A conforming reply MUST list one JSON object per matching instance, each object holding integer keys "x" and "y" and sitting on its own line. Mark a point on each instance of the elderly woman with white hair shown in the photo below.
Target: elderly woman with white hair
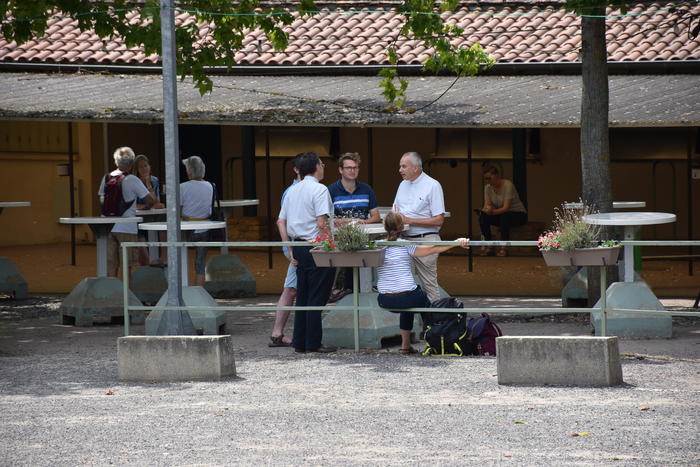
{"x": 196, "y": 199}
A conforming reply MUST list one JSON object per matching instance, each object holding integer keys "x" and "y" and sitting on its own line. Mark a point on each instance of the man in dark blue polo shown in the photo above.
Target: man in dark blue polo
{"x": 304, "y": 216}
{"x": 352, "y": 201}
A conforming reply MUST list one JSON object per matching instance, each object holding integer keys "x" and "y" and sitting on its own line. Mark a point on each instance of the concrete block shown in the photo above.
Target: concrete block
{"x": 11, "y": 280}
{"x": 227, "y": 277}
{"x": 576, "y": 290}
{"x": 149, "y": 283}
{"x": 375, "y": 325}
{"x": 559, "y": 361}
{"x": 175, "y": 358}
{"x": 633, "y": 296}
{"x": 98, "y": 299}
{"x": 210, "y": 322}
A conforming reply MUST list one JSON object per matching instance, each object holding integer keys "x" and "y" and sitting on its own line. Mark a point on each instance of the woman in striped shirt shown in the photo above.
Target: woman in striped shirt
{"x": 395, "y": 283}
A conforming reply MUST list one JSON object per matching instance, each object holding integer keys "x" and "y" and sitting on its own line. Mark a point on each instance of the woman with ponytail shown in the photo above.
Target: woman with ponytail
{"x": 397, "y": 287}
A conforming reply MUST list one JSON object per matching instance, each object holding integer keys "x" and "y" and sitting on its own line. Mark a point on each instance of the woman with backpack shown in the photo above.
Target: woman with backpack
{"x": 395, "y": 283}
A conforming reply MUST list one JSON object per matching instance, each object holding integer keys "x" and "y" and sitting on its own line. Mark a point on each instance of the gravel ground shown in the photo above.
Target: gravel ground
{"x": 62, "y": 404}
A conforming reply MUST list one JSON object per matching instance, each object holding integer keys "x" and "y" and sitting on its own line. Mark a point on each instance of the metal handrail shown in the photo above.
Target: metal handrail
{"x": 356, "y": 308}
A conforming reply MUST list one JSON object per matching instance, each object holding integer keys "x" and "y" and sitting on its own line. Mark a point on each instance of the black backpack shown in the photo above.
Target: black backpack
{"x": 114, "y": 204}
{"x": 453, "y": 335}
{"x": 446, "y": 333}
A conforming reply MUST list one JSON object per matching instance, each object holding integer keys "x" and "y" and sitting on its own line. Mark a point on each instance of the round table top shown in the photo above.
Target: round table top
{"x": 630, "y": 218}
{"x": 99, "y": 220}
{"x": 14, "y": 204}
{"x": 184, "y": 225}
{"x": 384, "y": 210}
{"x": 234, "y": 203}
{"x": 378, "y": 228}
{"x": 616, "y": 205}
{"x": 151, "y": 212}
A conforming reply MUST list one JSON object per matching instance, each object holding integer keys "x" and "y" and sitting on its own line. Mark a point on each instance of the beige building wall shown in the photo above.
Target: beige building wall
{"x": 34, "y": 158}
{"x": 648, "y": 165}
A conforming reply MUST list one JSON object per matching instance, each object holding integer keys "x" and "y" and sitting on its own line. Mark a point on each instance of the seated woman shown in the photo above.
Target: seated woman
{"x": 395, "y": 283}
{"x": 142, "y": 169}
{"x": 502, "y": 208}
{"x": 197, "y": 199}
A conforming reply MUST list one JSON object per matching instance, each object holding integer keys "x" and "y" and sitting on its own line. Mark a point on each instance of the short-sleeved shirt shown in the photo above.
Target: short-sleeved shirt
{"x": 303, "y": 203}
{"x": 196, "y": 197}
{"x": 132, "y": 188}
{"x": 508, "y": 191}
{"x": 357, "y": 204}
{"x": 156, "y": 191}
{"x": 284, "y": 194}
{"x": 420, "y": 198}
{"x": 395, "y": 275}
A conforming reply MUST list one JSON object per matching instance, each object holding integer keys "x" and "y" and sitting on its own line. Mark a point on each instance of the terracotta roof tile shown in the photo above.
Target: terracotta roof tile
{"x": 532, "y": 31}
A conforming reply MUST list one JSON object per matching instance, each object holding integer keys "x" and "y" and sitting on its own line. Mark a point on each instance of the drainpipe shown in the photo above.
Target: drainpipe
{"x": 71, "y": 194}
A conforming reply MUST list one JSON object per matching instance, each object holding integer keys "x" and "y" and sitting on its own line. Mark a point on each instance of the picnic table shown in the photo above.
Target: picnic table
{"x": 631, "y": 293}
{"x": 98, "y": 298}
{"x": 339, "y": 325}
{"x": 101, "y": 227}
{"x": 186, "y": 226}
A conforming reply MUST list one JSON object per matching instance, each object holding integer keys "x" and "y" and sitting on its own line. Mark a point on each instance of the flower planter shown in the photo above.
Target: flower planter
{"x": 602, "y": 256}
{"x": 336, "y": 258}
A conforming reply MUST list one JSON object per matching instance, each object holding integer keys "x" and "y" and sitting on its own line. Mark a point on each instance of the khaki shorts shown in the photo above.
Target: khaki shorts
{"x": 114, "y": 253}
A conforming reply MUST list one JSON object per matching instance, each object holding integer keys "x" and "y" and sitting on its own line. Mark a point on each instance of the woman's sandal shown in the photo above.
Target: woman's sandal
{"x": 278, "y": 341}
{"x": 488, "y": 252}
{"x": 408, "y": 351}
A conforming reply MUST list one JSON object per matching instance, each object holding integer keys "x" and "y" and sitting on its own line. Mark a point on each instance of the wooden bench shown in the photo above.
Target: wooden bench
{"x": 528, "y": 231}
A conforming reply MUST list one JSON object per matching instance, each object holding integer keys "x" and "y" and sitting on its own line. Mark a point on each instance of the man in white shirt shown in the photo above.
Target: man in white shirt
{"x": 304, "y": 216}
{"x": 131, "y": 189}
{"x": 420, "y": 200}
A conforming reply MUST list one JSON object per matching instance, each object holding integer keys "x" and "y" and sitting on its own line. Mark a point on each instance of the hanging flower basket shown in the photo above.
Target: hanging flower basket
{"x": 600, "y": 256}
{"x": 336, "y": 258}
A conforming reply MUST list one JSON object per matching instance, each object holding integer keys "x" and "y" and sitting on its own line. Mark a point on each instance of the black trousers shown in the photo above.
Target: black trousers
{"x": 413, "y": 299}
{"x": 313, "y": 288}
{"x": 503, "y": 221}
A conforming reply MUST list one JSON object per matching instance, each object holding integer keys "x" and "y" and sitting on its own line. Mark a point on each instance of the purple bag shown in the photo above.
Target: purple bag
{"x": 482, "y": 333}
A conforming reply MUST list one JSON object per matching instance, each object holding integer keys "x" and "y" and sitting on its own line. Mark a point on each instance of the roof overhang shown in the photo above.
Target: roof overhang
{"x": 531, "y": 101}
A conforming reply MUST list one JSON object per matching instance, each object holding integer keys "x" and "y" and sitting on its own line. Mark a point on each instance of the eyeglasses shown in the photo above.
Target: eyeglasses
{"x": 351, "y": 167}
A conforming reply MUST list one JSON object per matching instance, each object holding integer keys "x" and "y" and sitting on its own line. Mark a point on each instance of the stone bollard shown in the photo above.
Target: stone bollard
{"x": 175, "y": 358}
{"x": 559, "y": 361}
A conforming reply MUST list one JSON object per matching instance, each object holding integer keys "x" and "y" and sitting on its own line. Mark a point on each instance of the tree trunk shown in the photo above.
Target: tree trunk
{"x": 596, "y": 186}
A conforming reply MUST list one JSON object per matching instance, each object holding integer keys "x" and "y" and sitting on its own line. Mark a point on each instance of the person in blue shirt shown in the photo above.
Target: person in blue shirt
{"x": 352, "y": 201}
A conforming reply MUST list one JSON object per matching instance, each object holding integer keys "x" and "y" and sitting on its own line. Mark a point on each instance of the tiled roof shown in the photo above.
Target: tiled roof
{"x": 525, "y": 32}
{"x": 522, "y": 101}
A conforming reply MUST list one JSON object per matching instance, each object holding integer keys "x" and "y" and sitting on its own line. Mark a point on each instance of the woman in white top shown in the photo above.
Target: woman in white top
{"x": 502, "y": 208}
{"x": 197, "y": 199}
{"x": 395, "y": 283}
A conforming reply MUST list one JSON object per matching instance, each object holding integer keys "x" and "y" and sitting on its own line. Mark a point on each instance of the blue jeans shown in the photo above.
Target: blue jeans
{"x": 416, "y": 298}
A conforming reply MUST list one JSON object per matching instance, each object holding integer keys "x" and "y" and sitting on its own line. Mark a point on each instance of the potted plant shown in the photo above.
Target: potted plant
{"x": 349, "y": 246}
{"x": 573, "y": 242}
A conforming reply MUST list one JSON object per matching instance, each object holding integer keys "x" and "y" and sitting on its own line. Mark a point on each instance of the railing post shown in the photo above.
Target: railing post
{"x": 603, "y": 301}
{"x": 355, "y": 304}
{"x": 125, "y": 290}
